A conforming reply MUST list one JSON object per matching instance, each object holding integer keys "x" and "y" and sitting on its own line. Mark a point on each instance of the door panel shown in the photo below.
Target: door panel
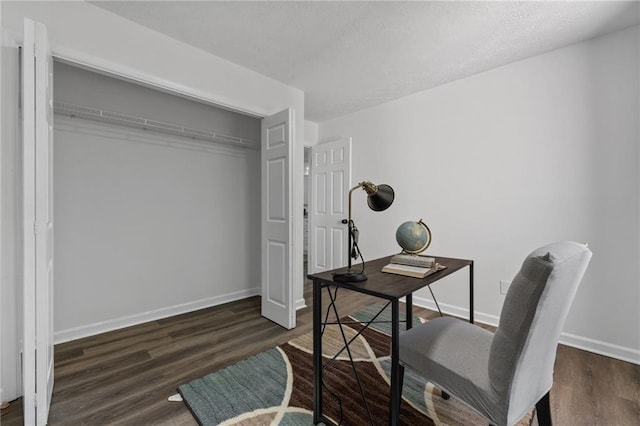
{"x": 330, "y": 180}
{"x": 37, "y": 71}
{"x": 277, "y": 225}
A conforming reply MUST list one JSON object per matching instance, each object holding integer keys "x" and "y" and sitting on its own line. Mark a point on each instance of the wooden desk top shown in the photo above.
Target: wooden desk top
{"x": 389, "y": 286}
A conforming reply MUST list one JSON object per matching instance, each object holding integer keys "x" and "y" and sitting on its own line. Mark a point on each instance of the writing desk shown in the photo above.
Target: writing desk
{"x": 386, "y": 286}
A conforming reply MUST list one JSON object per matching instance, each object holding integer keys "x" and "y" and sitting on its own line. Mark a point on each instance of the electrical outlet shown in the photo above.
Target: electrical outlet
{"x": 504, "y": 286}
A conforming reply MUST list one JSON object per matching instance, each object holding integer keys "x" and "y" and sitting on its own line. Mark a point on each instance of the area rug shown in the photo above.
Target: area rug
{"x": 276, "y": 386}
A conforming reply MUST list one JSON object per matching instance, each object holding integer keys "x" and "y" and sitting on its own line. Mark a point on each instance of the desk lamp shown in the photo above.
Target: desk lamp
{"x": 379, "y": 198}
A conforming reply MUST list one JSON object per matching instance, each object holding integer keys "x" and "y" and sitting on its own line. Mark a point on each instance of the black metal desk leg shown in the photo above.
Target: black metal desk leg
{"x": 317, "y": 353}
{"x": 396, "y": 392}
{"x": 408, "y": 300}
{"x": 471, "y": 292}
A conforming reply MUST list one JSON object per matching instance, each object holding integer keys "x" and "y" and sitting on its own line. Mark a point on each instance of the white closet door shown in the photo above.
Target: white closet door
{"x": 37, "y": 68}
{"x": 278, "y": 303}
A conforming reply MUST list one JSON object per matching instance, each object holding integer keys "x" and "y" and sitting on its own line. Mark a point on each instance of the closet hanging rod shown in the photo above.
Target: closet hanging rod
{"x": 103, "y": 116}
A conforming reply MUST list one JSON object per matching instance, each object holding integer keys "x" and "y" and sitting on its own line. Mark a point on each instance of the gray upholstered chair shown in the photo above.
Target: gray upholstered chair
{"x": 502, "y": 375}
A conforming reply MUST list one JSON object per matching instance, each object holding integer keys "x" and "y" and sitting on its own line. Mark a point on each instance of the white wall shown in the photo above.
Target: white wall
{"x": 310, "y": 132}
{"x": 502, "y": 162}
{"x": 2, "y": 320}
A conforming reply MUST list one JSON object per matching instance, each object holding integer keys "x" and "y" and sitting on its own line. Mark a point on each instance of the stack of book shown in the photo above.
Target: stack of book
{"x": 412, "y": 265}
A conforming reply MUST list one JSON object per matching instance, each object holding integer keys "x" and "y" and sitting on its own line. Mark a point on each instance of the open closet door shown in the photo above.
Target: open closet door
{"x": 278, "y": 303}
{"x": 330, "y": 184}
{"x": 37, "y": 95}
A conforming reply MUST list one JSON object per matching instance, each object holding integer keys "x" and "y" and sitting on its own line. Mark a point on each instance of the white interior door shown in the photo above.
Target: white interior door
{"x": 330, "y": 184}
{"x": 37, "y": 68}
{"x": 278, "y": 303}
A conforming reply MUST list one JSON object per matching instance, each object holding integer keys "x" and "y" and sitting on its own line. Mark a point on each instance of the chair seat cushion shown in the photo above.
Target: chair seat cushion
{"x": 452, "y": 352}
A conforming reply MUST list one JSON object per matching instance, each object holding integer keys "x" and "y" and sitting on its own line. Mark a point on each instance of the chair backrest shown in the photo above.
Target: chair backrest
{"x": 523, "y": 350}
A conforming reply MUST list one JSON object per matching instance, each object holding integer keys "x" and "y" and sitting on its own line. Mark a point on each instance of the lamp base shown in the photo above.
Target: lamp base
{"x": 350, "y": 277}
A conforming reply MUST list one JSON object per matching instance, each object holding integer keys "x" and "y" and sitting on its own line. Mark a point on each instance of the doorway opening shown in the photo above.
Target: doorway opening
{"x": 307, "y": 191}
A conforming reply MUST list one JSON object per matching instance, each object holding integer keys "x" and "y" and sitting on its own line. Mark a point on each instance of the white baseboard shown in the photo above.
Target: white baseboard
{"x": 602, "y": 348}
{"x": 300, "y": 304}
{"x": 142, "y": 317}
{"x": 611, "y": 350}
{"x": 456, "y": 311}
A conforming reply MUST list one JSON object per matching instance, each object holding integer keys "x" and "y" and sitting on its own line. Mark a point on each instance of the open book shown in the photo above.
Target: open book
{"x": 410, "y": 270}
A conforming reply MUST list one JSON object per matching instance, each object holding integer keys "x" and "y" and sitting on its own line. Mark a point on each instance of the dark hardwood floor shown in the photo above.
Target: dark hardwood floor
{"x": 125, "y": 377}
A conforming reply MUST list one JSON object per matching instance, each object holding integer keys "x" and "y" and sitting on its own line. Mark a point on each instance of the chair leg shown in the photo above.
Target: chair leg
{"x": 543, "y": 411}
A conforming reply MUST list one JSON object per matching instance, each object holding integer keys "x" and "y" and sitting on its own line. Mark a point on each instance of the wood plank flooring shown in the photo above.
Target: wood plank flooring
{"x": 125, "y": 377}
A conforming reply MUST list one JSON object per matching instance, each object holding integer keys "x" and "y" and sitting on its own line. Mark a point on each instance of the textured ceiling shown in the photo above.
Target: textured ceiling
{"x": 347, "y": 56}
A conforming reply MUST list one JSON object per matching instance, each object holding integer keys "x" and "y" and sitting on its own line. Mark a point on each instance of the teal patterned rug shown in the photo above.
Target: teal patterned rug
{"x": 276, "y": 386}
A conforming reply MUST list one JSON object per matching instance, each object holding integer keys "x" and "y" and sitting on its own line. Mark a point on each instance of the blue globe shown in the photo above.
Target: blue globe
{"x": 413, "y": 237}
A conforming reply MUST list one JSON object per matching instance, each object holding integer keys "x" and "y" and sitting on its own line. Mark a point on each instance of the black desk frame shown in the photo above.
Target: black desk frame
{"x": 389, "y": 287}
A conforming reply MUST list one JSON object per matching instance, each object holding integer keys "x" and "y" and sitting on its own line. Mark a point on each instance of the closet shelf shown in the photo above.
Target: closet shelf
{"x": 71, "y": 110}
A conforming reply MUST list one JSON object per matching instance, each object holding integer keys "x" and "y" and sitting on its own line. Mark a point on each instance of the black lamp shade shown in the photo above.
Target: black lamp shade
{"x": 381, "y": 199}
